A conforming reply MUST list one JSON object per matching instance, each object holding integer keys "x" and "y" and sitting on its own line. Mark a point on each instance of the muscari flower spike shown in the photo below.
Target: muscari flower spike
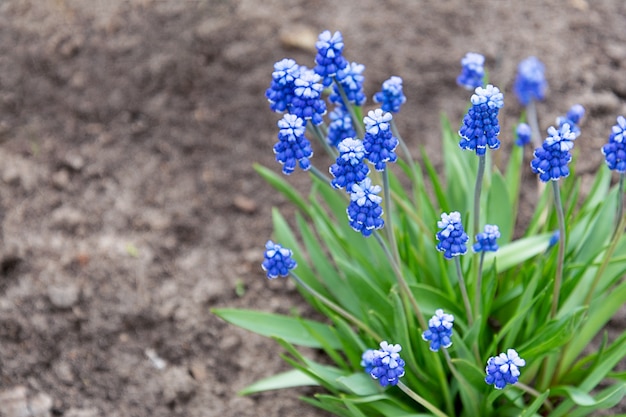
{"x": 307, "y": 101}
{"x": 552, "y": 157}
{"x": 277, "y": 260}
{"x": 487, "y": 240}
{"x": 340, "y": 126}
{"x": 504, "y": 369}
{"x": 349, "y": 168}
{"x": 472, "y": 71}
{"x": 364, "y": 211}
{"x": 351, "y": 79}
{"x": 391, "y": 97}
{"x": 280, "y": 92}
{"x": 451, "y": 236}
{"x": 439, "y": 330}
{"x": 572, "y": 118}
{"x": 615, "y": 151}
{"x": 480, "y": 127}
{"x": 292, "y": 145}
{"x": 329, "y": 58}
{"x": 523, "y": 134}
{"x": 386, "y": 364}
{"x": 379, "y": 142}
{"x": 530, "y": 83}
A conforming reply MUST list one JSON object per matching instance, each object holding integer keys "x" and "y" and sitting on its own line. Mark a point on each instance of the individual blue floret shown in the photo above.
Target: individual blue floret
{"x": 329, "y": 58}
{"x": 277, "y": 260}
{"x": 439, "y": 331}
{"x": 552, "y": 157}
{"x": 379, "y": 142}
{"x": 350, "y": 167}
{"x": 340, "y": 126}
{"x": 364, "y": 210}
{"x": 530, "y": 83}
{"x": 351, "y": 79}
{"x": 480, "y": 127}
{"x": 280, "y": 92}
{"x": 388, "y": 366}
{"x": 523, "y": 133}
{"x": 472, "y": 71}
{"x": 487, "y": 240}
{"x": 572, "y": 118}
{"x": 367, "y": 360}
{"x": 451, "y": 236}
{"x": 292, "y": 145}
{"x": 615, "y": 151}
{"x": 307, "y": 101}
{"x": 391, "y": 97}
{"x": 504, "y": 369}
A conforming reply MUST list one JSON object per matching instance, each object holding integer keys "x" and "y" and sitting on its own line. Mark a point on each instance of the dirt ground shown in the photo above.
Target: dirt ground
{"x": 128, "y": 202}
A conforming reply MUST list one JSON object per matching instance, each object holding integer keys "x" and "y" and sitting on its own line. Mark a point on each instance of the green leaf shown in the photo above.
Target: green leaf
{"x": 283, "y": 186}
{"x": 289, "y": 379}
{"x": 359, "y": 384}
{"x": 535, "y": 405}
{"x": 499, "y": 209}
{"x": 606, "y": 399}
{"x": 294, "y": 330}
{"x": 577, "y": 395}
{"x": 517, "y": 252}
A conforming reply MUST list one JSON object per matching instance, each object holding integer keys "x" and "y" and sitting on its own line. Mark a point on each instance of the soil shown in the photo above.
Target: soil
{"x": 128, "y": 202}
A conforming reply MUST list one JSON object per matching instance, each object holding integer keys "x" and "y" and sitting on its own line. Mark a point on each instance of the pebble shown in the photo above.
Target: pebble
{"x": 63, "y": 295}
{"x": 244, "y": 204}
{"x": 299, "y": 37}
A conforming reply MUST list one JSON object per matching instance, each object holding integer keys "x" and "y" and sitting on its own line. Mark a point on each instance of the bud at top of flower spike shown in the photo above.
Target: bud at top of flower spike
{"x": 451, "y": 236}
{"x": 472, "y": 71}
{"x": 552, "y": 157}
{"x": 280, "y": 93}
{"x": 530, "y": 83}
{"x": 340, "y": 126}
{"x": 575, "y": 113}
{"x": 391, "y": 97}
{"x": 386, "y": 364}
{"x": 523, "y": 133}
{"x": 486, "y": 241}
{"x": 329, "y": 58}
{"x": 351, "y": 79}
{"x": 277, "y": 260}
{"x": 439, "y": 330}
{"x": 480, "y": 127}
{"x": 504, "y": 369}
{"x": 615, "y": 151}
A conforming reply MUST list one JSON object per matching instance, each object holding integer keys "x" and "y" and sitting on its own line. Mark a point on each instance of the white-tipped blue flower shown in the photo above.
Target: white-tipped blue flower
{"x": 530, "y": 83}
{"x": 523, "y": 133}
{"x": 329, "y": 58}
{"x": 472, "y": 71}
{"x": 351, "y": 79}
{"x": 379, "y": 142}
{"x": 439, "y": 331}
{"x": 615, "y": 151}
{"x": 280, "y": 92}
{"x": 292, "y": 146}
{"x": 487, "y": 240}
{"x": 451, "y": 236}
{"x": 480, "y": 127}
{"x": 350, "y": 167}
{"x": 307, "y": 102}
{"x": 364, "y": 211}
{"x": 388, "y": 366}
{"x": 340, "y": 126}
{"x": 391, "y": 98}
{"x": 552, "y": 157}
{"x": 504, "y": 369}
{"x": 277, "y": 260}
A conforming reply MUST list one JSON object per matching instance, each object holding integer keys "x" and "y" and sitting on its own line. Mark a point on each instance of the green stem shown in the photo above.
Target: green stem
{"x": 357, "y": 124}
{"x": 531, "y": 115}
{"x": 421, "y": 400}
{"x": 335, "y": 307}
{"x": 322, "y": 139}
{"x": 620, "y": 203}
{"x": 477, "y": 191}
{"x": 534, "y": 393}
{"x": 405, "y": 149}
{"x": 459, "y": 273}
{"x": 558, "y": 279}
{"x": 391, "y": 236}
{"x": 478, "y": 284}
{"x": 319, "y": 174}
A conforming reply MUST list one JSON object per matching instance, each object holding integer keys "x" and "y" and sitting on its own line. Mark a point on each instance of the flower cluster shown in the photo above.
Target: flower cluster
{"x": 277, "y": 260}
{"x": 379, "y": 142}
{"x": 280, "y": 92}
{"x": 480, "y": 127}
{"x": 451, "y": 236}
{"x": 530, "y": 83}
{"x": 349, "y": 168}
{"x": 615, "y": 151}
{"x": 340, "y": 126}
{"x": 351, "y": 80}
{"x": 486, "y": 241}
{"x": 472, "y": 71}
{"x": 329, "y": 58}
{"x": 384, "y": 364}
{"x": 504, "y": 369}
{"x": 552, "y": 157}
{"x": 523, "y": 134}
{"x": 307, "y": 100}
{"x": 292, "y": 145}
{"x": 391, "y": 97}
{"x": 364, "y": 210}
{"x": 439, "y": 331}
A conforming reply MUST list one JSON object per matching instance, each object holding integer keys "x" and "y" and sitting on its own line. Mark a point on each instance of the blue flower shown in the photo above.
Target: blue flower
{"x": 554, "y": 239}
{"x": 480, "y": 127}
{"x": 280, "y": 92}
{"x": 277, "y": 260}
{"x": 307, "y": 101}
{"x": 486, "y": 241}
{"x": 379, "y": 142}
{"x": 351, "y": 79}
{"x": 552, "y": 157}
{"x": 387, "y": 365}
{"x": 451, "y": 236}
{"x": 329, "y": 58}
{"x": 340, "y": 126}
{"x": 367, "y": 360}
{"x": 615, "y": 151}
{"x": 439, "y": 330}
{"x": 530, "y": 83}
{"x": 504, "y": 369}
{"x": 349, "y": 168}
{"x": 575, "y": 113}
{"x": 472, "y": 71}
{"x": 523, "y": 134}
{"x": 391, "y": 97}
{"x": 292, "y": 145}
{"x": 364, "y": 211}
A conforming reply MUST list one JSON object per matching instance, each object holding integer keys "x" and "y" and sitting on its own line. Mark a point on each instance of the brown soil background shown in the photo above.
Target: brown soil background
{"x": 128, "y": 202}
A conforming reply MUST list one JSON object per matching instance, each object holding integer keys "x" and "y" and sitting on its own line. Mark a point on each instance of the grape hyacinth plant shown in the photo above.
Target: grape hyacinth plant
{"x": 368, "y": 249}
